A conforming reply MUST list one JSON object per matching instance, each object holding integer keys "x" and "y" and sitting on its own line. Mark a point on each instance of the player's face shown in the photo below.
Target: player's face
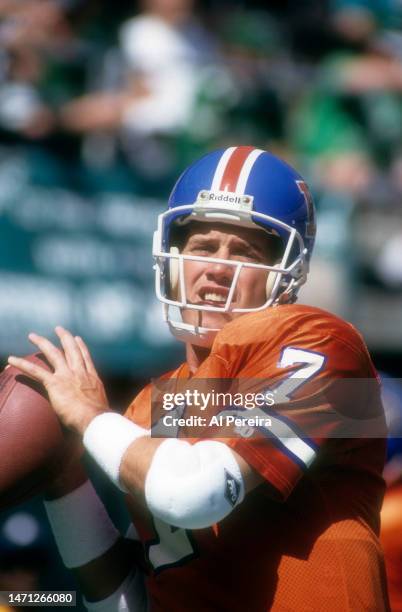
{"x": 209, "y": 283}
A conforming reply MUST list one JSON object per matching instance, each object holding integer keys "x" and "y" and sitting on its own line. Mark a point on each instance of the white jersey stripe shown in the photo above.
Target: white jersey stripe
{"x": 245, "y": 171}
{"x": 281, "y": 431}
{"x": 291, "y": 441}
{"x": 220, "y": 169}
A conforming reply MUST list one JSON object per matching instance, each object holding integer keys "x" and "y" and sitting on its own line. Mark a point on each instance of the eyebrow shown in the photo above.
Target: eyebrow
{"x": 200, "y": 238}
{"x": 239, "y": 242}
{"x": 257, "y": 247}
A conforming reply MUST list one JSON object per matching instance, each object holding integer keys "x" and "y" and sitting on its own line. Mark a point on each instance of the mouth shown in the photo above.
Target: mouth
{"x": 213, "y": 296}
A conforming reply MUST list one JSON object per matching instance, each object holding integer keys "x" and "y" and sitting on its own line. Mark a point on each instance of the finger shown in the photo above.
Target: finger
{"x": 86, "y": 355}
{"x": 72, "y": 352}
{"x": 31, "y": 369}
{"x": 54, "y": 356}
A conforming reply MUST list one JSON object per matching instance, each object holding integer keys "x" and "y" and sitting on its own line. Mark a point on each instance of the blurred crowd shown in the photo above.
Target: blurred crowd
{"x": 121, "y": 100}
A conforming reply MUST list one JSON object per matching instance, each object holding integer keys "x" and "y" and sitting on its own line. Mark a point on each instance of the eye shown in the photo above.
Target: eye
{"x": 247, "y": 254}
{"x": 202, "y": 249}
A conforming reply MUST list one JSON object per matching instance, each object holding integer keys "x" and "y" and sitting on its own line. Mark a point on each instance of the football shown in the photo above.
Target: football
{"x": 33, "y": 444}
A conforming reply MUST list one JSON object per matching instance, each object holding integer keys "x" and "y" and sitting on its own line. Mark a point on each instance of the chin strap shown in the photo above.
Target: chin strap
{"x": 200, "y": 336}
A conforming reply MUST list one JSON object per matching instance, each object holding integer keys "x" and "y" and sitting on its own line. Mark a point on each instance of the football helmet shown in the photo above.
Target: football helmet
{"x": 241, "y": 186}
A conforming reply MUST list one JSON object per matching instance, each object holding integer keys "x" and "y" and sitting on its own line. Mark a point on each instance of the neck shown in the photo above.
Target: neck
{"x": 195, "y": 355}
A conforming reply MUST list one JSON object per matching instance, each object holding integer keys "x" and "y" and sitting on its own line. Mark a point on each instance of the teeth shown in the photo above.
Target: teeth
{"x": 214, "y": 297}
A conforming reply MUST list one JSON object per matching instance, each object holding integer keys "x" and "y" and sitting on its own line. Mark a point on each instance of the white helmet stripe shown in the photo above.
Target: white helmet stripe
{"x": 245, "y": 171}
{"x": 220, "y": 169}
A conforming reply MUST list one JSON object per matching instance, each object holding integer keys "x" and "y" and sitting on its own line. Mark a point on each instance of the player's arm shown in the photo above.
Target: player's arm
{"x": 105, "y": 564}
{"x": 89, "y": 544}
{"x": 186, "y": 485}
{"x": 137, "y": 461}
{"x": 191, "y": 486}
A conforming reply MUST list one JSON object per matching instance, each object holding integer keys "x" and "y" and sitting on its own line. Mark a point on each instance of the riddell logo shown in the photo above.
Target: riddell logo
{"x": 224, "y": 197}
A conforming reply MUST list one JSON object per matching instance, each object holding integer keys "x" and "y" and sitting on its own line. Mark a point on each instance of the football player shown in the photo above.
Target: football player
{"x": 282, "y": 517}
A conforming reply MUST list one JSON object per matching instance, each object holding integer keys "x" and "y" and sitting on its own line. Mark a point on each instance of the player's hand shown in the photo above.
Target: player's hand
{"x": 75, "y": 390}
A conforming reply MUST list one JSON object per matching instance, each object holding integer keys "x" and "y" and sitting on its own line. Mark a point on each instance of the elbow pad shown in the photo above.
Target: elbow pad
{"x": 193, "y": 486}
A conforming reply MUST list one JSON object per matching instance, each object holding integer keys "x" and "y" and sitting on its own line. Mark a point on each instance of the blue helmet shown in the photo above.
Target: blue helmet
{"x": 241, "y": 186}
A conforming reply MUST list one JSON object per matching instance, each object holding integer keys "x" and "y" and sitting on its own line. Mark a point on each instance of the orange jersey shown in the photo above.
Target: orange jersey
{"x": 391, "y": 540}
{"x": 305, "y": 539}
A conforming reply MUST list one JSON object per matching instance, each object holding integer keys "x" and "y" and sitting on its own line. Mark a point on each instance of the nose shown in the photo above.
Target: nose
{"x": 220, "y": 272}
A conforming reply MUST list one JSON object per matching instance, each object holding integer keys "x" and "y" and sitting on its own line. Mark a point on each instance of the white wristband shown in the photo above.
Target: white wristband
{"x": 107, "y": 438}
{"x": 81, "y": 526}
